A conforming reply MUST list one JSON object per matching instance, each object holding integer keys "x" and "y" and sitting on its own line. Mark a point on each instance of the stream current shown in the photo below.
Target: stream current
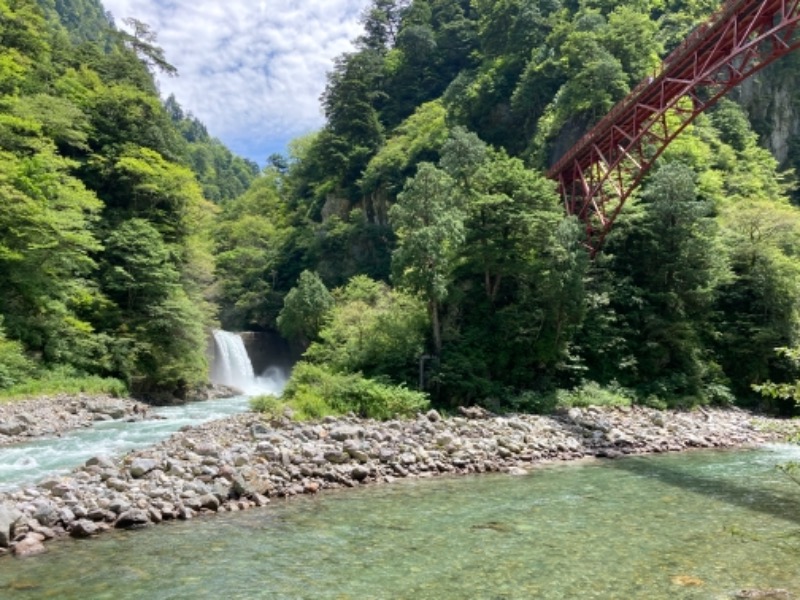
{"x": 695, "y": 525}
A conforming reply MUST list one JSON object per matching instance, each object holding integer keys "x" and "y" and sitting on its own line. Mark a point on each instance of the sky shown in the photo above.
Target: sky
{"x": 251, "y": 70}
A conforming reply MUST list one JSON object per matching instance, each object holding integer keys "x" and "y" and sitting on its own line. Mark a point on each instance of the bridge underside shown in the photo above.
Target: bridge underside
{"x": 599, "y": 173}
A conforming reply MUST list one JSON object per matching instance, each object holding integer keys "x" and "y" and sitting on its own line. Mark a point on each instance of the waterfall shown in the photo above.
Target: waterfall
{"x": 232, "y": 367}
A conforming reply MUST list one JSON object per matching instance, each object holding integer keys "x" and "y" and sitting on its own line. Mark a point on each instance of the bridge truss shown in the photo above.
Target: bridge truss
{"x": 598, "y": 174}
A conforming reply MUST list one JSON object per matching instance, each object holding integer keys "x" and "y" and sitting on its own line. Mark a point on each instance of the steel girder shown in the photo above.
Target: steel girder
{"x": 598, "y": 174}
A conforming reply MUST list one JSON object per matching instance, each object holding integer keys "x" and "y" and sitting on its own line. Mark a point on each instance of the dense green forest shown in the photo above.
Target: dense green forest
{"x": 108, "y": 206}
{"x": 413, "y": 239}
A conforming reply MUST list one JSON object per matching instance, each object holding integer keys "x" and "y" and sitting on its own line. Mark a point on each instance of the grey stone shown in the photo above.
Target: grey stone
{"x": 117, "y": 484}
{"x": 46, "y": 513}
{"x": 337, "y": 457}
{"x": 10, "y": 518}
{"x": 31, "y": 545}
{"x": 119, "y": 505}
{"x": 134, "y": 517}
{"x": 11, "y": 427}
{"x": 208, "y": 450}
{"x": 101, "y": 514}
{"x": 65, "y": 515}
{"x": 210, "y": 502}
{"x": 433, "y": 416}
{"x": 359, "y": 473}
{"x": 101, "y": 461}
{"x": 61, "y": 490}
{"x": 407, "y": 458}
{"x": 83, "y": 528}
{"x": 346, "y": 432}
{"x": 141, "y": 466}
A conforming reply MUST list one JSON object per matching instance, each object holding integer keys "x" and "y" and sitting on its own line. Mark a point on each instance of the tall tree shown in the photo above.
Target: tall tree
{"x": 429, "y": 222}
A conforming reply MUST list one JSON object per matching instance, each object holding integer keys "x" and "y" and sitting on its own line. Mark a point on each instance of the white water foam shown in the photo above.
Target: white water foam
{"x": 232, "y": 367}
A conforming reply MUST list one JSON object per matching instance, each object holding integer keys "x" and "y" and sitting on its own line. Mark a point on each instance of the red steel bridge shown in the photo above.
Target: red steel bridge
{"x": 603, "y": 168}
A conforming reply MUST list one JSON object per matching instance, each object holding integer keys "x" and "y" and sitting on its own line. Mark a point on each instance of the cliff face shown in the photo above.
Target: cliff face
{"x": 772, "y": 101}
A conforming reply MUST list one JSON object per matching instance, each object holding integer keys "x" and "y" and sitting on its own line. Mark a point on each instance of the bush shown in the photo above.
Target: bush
{"x": 538, "y": 403}
{"x": 374, "y": 330}
{"x": 66, "y": 380}
{"x": 591, "y": 393}
{"x": 14, "y": 366}
{"x": 303, "y": 408}
{"x": 316, "y": 391}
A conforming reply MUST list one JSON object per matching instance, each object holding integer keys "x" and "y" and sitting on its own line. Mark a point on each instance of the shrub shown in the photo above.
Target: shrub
{"x": 66, "y": 380}
{"x": 374, "y": 330}
{"x": 14, "y": 366}
{"x": 315, "y": 389}
{"x": 539, "y": 403}
{"x": 591, "y": 393}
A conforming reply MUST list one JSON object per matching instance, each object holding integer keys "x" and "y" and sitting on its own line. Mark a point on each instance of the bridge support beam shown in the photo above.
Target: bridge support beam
{"x": 598, "y": 174}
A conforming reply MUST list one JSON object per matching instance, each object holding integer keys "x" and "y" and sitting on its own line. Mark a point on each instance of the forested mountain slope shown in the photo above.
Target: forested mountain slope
{"x": 106, "y": 215}
{"x": 428, "y": 175}
{"x": 412, "y": 240}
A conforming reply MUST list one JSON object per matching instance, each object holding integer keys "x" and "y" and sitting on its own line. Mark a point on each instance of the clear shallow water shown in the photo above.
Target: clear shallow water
{"x": 33, "y": 461}
{"x": 686, "y": 526}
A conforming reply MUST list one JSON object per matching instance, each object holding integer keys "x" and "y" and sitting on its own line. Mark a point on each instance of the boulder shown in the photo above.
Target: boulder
{"x": 83, "y": 528}
{"x": 346, "y": 432}
{"x": 10, "y": 517}
{"x": 141, "y": 466}
{"x": 101, "y": 461}
{"x": 46, "y": 513}
{"x": 30, "y": 545}
{"x": 134, "y": 517}
{"x": 11, "y": 427}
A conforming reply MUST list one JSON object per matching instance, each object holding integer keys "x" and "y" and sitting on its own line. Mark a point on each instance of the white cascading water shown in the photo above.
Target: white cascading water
{"x": 232, "y": 367}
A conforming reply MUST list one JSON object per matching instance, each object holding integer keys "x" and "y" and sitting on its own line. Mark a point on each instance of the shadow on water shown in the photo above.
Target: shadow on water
{"x": 757, "y": 499}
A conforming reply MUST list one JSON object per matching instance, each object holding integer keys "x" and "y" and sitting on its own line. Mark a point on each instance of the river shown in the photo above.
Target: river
{"x": 701, "y": 525}
{"x": 30, "y": 462}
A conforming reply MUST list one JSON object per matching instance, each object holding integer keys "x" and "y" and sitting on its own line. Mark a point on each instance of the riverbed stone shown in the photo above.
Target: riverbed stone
{"x": 10, "y": 518}
{"x": 337, "y": 457}
{"x": 30, "y": 545}
{"x": 83, "y": 528}
{"x": 102, "y": 461}
{"x": 221, "y": 465}
{"x": 345, "y": 432}
{"x": 46, "y": 512}
{"x": 10, "y": 428}
{"x": 141, "y": 466}
{"x": 359, "y": 472}
{"x": 134, "y": 517}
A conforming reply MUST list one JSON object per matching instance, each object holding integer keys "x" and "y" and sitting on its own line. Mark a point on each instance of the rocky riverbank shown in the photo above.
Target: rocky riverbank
{"x": 245, "y": 461}
{"x": 55, "y": 415}
{"x": 47, "y": 416}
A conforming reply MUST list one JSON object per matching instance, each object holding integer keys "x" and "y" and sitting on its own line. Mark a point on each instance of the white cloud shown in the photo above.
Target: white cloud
{"x": 251, "y": 71}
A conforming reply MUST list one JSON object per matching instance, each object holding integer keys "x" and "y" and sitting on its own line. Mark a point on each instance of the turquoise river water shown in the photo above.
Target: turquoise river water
{"x": 30, "y": 462}
{"x": 700, "y": 525}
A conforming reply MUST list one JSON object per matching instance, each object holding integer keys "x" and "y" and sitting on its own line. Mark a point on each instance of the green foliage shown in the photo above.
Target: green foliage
{"x": 14, "y": 365}
{"x": 313, "y": 389}
{"x": 88, "y": 153}
{"x": 374, "y": 330}
{"x": 64, "y": 380}
{"x": 588, "y": 393}
{"x": 591, "y": 393}
{"x": 429, "y": 225}
{"x": 783, "y": 391}
{"x": 305, "y": 309}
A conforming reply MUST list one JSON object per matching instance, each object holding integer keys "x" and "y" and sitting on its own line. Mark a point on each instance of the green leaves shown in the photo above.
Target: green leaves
{"x": 429, "y": 223}
{"x": 374, "y": 330}
{"x": 305, "y": 309}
